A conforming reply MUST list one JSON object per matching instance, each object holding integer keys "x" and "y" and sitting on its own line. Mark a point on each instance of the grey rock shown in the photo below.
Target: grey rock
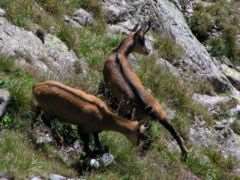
{"x": 41, "y": 135}
{"x": 168, "y": 67}
{"x": 223, "y": 139}
{"x": 79, "y": 18}
{"x": 83, "y": 17}
{"x": 56, "y": 177}
{"x": 211, "y": 102}
{"x": 52, "y": 57}
{"x": 6, "y": 176}
{"x": 36, "y": 178}
{"x": 4, "y": 100}
{"x": 232, "y": 74}
{"x": 2, "y": 12}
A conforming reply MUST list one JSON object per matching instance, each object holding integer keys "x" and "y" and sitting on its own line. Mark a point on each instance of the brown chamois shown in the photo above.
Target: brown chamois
{"x": 88, "y": 112}
{"x": 127, "y": 89}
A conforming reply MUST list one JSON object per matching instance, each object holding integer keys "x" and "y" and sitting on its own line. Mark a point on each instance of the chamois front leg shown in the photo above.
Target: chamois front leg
{"x": 101, "y": 149}
{"x": 47, "y": 118}
{"x": 85, "y": 138}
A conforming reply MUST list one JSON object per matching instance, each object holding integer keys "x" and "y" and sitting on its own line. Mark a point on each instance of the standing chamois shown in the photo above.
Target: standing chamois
{"x": 88, "y": 112}
{"x": 126, "y": 88}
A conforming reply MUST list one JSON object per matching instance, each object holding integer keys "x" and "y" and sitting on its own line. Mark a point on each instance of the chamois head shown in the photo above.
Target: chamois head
{"x": 138, "y": 35}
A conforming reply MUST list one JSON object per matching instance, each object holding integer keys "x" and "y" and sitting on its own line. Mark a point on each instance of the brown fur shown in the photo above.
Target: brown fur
{"x": 77, "y": 107}
{"x": 126, "y": 86}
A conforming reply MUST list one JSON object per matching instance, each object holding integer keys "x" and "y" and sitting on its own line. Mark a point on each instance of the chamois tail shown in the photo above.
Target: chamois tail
{"x": 164, "y": 122}
{"x": 176, "y": 136}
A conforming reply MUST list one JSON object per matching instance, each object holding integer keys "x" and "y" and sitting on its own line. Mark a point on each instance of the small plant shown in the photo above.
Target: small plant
{"x": 167, "y": 48}
{"x": 6, "y": 121}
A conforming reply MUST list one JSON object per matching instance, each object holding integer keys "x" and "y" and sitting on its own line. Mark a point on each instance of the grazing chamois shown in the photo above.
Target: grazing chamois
{"x": 88, "y": 112}
{"x": 127, "y": 90}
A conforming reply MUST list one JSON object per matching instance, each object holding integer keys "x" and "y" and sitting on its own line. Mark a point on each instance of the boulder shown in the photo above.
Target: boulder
{"x": 232, "y": 74}
{"x": 4, "y": 100}
{"x": 2, "y": 12}
{"x": 56, "y": 177}
{"x": 52, "y": 56}
{"x": 80, "y": 18}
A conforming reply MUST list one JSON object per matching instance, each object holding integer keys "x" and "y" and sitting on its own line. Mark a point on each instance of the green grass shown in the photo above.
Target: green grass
{"x": 221, "y": 16}
{"x": 167, "y": 48}
{"x": 19, "y": 157}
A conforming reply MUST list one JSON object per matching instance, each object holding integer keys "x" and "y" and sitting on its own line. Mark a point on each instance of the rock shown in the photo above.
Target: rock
{"x": 168, "y": 20}
{"x": 168, "y": 67}
{"x": 80, "y": 18}
{"x": 83, "y": 17}
{"x": 232, "y": 74}
{"x": 42, "y": 135}
{"x": 6, "y": 176}
{"x": 223, "y": 139}
{"x": 56, "y": 177}
{"x": 36, "y": 178}
{"x": 211, "y": 102}
{"x": 187, "y": 175}
{"x": 53, "y": 56}
{"x": 2, "y": 12}
{"x": 116, "y": 11}
{"x": 4, "y": 100}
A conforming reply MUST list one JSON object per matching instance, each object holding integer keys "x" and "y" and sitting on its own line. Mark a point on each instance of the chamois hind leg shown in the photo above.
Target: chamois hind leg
{"x": 101, "y": 149}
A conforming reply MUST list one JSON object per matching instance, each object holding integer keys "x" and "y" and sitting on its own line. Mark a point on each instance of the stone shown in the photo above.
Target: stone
{"x": 211, "y": 102}
{"x": 232, "y": 74}
{"x": 2, "y": 12}
{"x": 4, "y": 100}
{"x": 51, "y": 57}
{"x": 83, "y": 17}
{"x": 6, "y": 176}
{"x": 36, "y": 178}
{"x": 56, "y": 177}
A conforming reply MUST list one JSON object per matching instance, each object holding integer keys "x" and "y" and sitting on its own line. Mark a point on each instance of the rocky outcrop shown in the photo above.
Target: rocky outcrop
{"x": 80, "y": 18}
{"x": 168, "y": 20}
{"x": 2, "y": 12}
{"x": 232, "y": 74}
{"x": 4, "y": 100}
{"x": 52, "y": 56}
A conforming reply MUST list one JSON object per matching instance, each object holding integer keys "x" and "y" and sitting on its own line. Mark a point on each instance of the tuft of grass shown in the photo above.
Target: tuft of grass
{"x": 20, "y": 158}
{"x": 219, "y": 17}
{"x": 210, "y": 164}
{"x": 167, "y": 48}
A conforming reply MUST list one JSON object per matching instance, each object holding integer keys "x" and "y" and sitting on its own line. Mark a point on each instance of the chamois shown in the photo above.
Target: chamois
{"x": 88, "y": 112}
{"x": 127, "y": 90}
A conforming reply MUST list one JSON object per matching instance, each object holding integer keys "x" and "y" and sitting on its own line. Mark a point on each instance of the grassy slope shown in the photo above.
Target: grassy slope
{"x": 22, "y": 159}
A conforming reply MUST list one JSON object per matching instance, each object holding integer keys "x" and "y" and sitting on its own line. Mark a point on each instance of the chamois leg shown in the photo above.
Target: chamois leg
{"x": 100, "y": 148}
{"x": 46, "y": 118}
{"x": 175, "y": 135}
{"x": 85, "y": 138}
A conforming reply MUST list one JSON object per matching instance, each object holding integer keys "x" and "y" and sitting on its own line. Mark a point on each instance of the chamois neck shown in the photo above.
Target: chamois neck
{"x": 127, "y": 127}
{"x": 126, "y": 47}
